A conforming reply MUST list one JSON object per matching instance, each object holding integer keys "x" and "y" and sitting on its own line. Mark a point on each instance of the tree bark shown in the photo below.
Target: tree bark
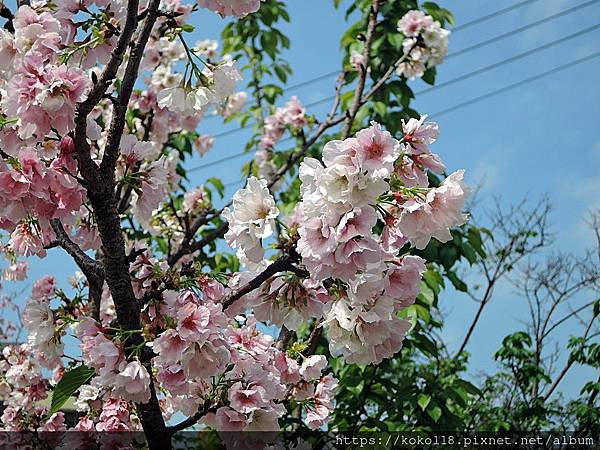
{"x": 100, "y": 186}
{"x": 127, "y": 308}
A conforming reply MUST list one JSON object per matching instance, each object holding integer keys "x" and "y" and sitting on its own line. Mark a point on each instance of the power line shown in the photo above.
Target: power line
{"x": 511, "y": 59}
{"x": 521, "y": 29}
{"x": 458, "y": 28}
{"x": 517, "y": 84}
{"x": 491, "y": 15}
{"x": 450, "y": 55}
{"x": 504, "y": 89}
{"x": 423, "y": 91}
{"x": 217, "y": 162}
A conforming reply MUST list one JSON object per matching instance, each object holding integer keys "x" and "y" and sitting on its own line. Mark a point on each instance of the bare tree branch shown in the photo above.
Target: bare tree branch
{"x": 192, "y": 420}
{"x": 568, "y": 366}
{"x": 518, "y": 233}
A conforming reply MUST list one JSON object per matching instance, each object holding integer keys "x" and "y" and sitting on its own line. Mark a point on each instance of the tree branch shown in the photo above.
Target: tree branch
{"x": 569, "y": 364}
{"x": 110, "y": 70}
{"x": 362, "y": 78}
{"x": 486, "y": 298}
{"x": 91, "y": 268}
{"x": 87, "y": 166}
{"x": 313, "y": 339}
{"x": 115, "y": 132}
{"x": 85, "y": 262}
{"x": 280, "y": 265}
{"x": 192, "y": 420}
{"x": 100, "y": 185}
{"x": 198, "y": 245}
{"x": 8, "y": 15}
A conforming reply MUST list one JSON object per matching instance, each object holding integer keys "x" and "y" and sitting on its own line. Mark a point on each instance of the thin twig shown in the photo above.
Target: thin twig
{"x": 362, "y": 77}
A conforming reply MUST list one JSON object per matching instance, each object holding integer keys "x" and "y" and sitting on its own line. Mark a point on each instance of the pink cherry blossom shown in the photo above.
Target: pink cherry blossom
{"x": 203, "y": 144}
{"x": 357, "y": 60}
{"x": 402, "y": 282}
{"x": 377, "y": 150}
{"x": 45, "y": 96}
{"x": 358, "y": 222}
{"x": 238, "y": 8}
{"x": 56, "y": 422}
{"x": 227, "y": 419}
{"x": 25, "y": 241}
{"x": 16, "y": 271}
{"x": 169, "y": 346}
{"x": 413, "y": 22}
{"x": 246, "y": 400}
{"x": 43, "y": 289}
{"x": 173, "y": 378}
{"x": 312, "y": 367}
{"x": 133, "y": 383}
{"x": 193, "y": 320}
{"x": 422, "y": 219}
{"x": 101, "y": 353}
{"x": 38, "y": 319}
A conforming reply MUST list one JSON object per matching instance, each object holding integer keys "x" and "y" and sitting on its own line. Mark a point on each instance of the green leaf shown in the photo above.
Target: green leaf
{"x": 429, "y": 75}
{"x": 356, "y": 390}
{"x": 423, "y": 401}
{"x": 459, "y": 284}
{"x": 422, "y": 312}
{"x": 396, "y": 40}
{"x": 426, "y": 345}
{"x": 218, "y": 184}
{"x": 434, "y": 280}
{"x": 469, "y": 253}
{"x": 426, "y": 293}
{"x": 280, "y": 72}
{"x": 474, "y": 237}
{"x": 435, "y": 413}
{"x": 68, "y": 384}
{"x": 469, "y": 387}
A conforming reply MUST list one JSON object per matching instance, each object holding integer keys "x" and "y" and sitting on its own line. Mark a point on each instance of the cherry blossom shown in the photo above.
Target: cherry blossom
{"x": 238, "y": 8}
{"x": 87, "y": 146}
{"x": 426, "y": 44}
{"x": 433, "y": 216}
{"x": 251, "y": 219}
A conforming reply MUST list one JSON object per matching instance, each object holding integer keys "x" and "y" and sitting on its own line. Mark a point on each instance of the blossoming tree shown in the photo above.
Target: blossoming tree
{"x": 101, "y": 103}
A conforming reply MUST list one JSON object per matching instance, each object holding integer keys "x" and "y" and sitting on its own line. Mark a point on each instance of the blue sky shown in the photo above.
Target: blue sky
{"x": 541, "y": 138}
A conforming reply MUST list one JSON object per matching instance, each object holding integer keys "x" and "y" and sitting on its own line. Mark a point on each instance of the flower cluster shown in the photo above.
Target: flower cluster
{"x": 48, "y": 64}
{"x": 292, "y": 114}
{"x": 194, "y": 340}
{"x": 425, "y": 44}
{"x": 290, "y": 302}
{"x": 180, "y": 98}
{"x": 40, "y": 90}
{"x": 342, "y": 201}
{"x": 34, "y": 187}
{"x": 22, "y": 387}
{"x": 201, "y": 355}
{"x": 238, "y": 8}
{"x": 251, "y": 220}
